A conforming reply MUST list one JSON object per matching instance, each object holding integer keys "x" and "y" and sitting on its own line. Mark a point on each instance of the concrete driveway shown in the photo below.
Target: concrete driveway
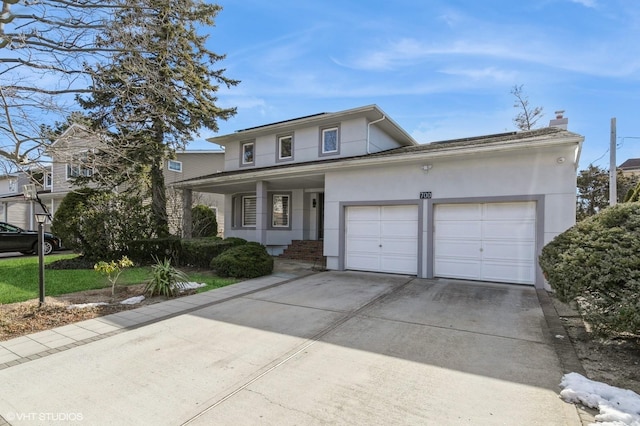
{"x": 330, "y": 348}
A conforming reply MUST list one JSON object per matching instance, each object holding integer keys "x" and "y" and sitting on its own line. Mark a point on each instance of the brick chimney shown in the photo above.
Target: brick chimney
{"x": 560, "y": 121}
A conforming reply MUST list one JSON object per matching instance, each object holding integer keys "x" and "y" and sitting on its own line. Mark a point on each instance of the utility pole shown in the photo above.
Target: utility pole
{"x": 613, "y": 193}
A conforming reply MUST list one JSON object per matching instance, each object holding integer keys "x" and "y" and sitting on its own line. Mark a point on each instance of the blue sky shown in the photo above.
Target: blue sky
{"x": 440, "y": 69}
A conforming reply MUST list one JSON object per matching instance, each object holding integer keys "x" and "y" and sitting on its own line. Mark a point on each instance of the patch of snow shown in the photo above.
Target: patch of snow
{"x": 132, "y": 300}
{"x": 618, "y": 407}
{"x": 189, "y": 286}
{"x": 86, "y": 305}
{"x": 559, "y": 336}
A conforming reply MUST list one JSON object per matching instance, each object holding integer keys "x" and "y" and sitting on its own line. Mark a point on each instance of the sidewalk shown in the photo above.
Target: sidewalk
{"x": 41, "y": 344}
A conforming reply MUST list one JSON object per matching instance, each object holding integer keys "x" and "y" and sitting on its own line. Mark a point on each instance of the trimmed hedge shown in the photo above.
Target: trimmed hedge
{"x": 250, "y": 260}
{"x": 597, "y": 264}
{"x": 196, "y": 252}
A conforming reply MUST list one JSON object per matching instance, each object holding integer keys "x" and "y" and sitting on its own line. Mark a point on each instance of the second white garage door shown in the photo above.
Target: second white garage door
{"x": 486, "y": 242}
{"x": 382, "y": 239}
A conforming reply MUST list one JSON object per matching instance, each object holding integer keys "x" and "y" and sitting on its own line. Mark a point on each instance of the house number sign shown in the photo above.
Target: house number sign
{"x": 425, "y": 195}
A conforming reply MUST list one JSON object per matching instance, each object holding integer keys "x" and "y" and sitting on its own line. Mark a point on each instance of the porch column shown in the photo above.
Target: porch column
{"x": 187, "y": 225}
{"x": 262, "y": 207}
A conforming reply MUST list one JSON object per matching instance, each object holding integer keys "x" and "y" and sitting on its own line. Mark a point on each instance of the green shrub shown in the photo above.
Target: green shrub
{"x": 597, "y": 264}
{"x": 198, "y": 252}
{"x": 165, "y": 279}
{"x": 204, "y": 221}
{"x": 244, "y": 261}
{"x": 145, "y": 251}
{"x": 99, "y": 224}
{"x": 236, "y": 241}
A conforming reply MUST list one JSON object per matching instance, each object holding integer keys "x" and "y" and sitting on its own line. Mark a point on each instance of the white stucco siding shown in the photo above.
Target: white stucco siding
{"x": 306, "y": 144}
{"x": 491, "y": 177}
{"x": 380, "y": 141}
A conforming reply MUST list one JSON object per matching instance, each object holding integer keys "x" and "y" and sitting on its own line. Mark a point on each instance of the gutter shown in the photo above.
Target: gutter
{"x": 369, "y": 131}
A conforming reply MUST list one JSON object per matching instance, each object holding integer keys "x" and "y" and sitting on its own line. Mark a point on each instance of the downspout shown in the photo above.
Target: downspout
{"x": 369, "y": 131}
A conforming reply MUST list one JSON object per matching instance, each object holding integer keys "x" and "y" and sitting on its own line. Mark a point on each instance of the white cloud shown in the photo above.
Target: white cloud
{"x": 487, "y": 73}
{"x": 586, "y": 3}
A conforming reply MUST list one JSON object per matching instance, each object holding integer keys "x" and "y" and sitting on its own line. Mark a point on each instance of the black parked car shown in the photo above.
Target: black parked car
{"x": 13, "y": 238}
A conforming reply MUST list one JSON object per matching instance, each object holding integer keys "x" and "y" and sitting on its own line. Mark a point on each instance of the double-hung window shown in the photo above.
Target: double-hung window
{"x": 247, "y": 154}
{"x": 330, "y": 140}
{"x": 285, "y": 147}
{"x": 249, "y": 211}
{"x": 80, "y": 165}
{"x": 13, "y": 185}
{"x": 280, "y": 211}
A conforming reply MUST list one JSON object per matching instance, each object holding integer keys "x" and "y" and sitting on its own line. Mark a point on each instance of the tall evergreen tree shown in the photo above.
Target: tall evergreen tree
{"x": 157, "y": 90}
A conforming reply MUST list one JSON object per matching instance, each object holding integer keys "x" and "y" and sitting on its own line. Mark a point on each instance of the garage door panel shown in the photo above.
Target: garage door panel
{"x": 404, "y": 228}
{"x": 522, "y": 273}
{"x": 510, "y": 251}
{"x": 397, "y": 264}
{"x": 363, "y": 228}
{"x": 398, "y": 213}
{"x": 382, "y": 238}
{"x": 362, "y": 262}
{"x": 359, "y": 245}
{"x": 458, "y": 230}
{"x": 399, "y": 246}
{"x": 509, "y": 230}
{"x": 362, "y": 213}
{"x": 459, "y": 212}
{"x": 459, "y": 249}
{"x": 459, "y": 268}
{"x": 486, "y": 241}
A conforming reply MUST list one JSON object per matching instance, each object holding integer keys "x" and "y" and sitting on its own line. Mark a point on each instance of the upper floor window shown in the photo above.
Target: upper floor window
{"x": 285, "y": 147}
{"x": 248, "y": 154}
{"x": 249, "y": 211}
{"x": 174, "y": 166}
{"x": 80, "y": 165}
{"x": 330, "y": 140}
{"x": 48, "y": 180}
{"x": 13, "y": 185}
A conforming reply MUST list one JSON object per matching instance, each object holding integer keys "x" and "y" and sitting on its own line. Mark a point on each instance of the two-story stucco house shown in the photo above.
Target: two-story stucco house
{"x": 478, "y": 208}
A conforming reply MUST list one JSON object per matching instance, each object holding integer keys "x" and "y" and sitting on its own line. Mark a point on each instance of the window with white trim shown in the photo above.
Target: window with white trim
{"x": 330, "y": 140}
{"x": 285, "y": 147}
{"x": 174, "y": 166}
{"x": 48, "y": 180}
{"x": 80, "y": 165}
{"x": 249, "y": 211}
{"x": 280, "y": 211}
{"x": 248, "y": 153}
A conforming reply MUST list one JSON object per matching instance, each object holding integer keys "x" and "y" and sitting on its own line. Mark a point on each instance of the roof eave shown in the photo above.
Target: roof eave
{"x": 502, "y": 146}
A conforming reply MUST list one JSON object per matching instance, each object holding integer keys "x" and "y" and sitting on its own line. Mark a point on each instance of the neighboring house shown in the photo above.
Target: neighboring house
{"x": 631, "y": 167}
{"x": 187, "y": 165}
{"x": 478, "y": 208}
{"x": 13, "y": 206}
{"x": 72, "y": 155}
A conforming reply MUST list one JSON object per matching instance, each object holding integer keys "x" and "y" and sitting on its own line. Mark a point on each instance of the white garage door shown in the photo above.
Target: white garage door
{"x": 382, "y": 239}
{"x": 486, "y": 242}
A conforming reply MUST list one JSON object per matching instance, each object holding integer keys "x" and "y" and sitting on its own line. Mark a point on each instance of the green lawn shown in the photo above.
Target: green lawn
{"x": 19, "y": 279}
